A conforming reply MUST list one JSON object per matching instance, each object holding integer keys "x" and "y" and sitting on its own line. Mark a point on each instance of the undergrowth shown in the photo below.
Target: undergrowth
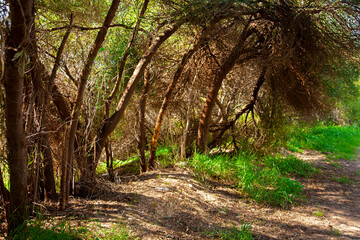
{"x": 101, "y": 168}
{"x": 244, "y": 233}
{"x": 338, "y": 141}
{"x": 265, "y": 179}
{"x": 42, "y": 229}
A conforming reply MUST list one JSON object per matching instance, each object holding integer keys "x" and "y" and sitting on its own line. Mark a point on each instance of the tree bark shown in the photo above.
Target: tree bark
{"x": 188, "y": 114}
{"x": 225, "y": 68}
{"x": 170, "y": 89}
{"x": 110, "y": 123}
{"x": 16, "y": 43}
{"x": 109, "y": 161}
{"x": 142, "y": 135}
{"x": 70, "y": 139}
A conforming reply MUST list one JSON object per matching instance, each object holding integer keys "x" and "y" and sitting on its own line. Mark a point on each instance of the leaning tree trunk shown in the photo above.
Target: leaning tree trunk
{"x": 20, "y": 15}
{"x": 70, "y": 136}
{"x": 170, "y": 90}
{"x": 225, "y": 68}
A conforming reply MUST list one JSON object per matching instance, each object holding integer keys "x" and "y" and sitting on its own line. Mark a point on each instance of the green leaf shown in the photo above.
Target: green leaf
{"x": 17, "y": 55}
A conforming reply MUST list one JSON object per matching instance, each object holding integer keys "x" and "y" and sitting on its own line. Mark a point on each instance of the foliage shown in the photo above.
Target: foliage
{"x": 341, "y": 82}
{"x": 265, "y": 179}
{"x": 339, "y": 141}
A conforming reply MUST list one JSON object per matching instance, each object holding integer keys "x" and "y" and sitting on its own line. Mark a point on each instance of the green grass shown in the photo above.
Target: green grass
{"x": 265, "y": 179}
{"x": 166, "y": 156}
{"x": 342, "y": 180}
{"x": 101, "y": 168}
{"x": 38, "y": 230}
{"x": 339, "y": 141}
{"x": 42, "y": 229}
{"x": 118, "y": 232}
{"x": 244, "y": 233}
{"x": 318, "y": 213}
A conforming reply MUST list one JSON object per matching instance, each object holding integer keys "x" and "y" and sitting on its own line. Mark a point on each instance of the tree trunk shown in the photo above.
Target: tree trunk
{"x": 70, "y": 139}
{"x": 121, "y": 70}
{"x": 225, "y": 68}
{"x": 20, "y": 15}
{"x": 142, "y": 137}
{"x": 109, "y": 161}
{"x": 188, "y": 114}
{"x": 49, "y": 180}
{"x": 110, "y": 123}
{"x": 169, "y": 91}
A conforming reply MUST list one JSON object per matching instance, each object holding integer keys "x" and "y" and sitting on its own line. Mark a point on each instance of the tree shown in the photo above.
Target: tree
{"x": 21, "y": 13}
{"x": 224, "y": 69}
{"x": 70, "y": 136}
{"x": 110, "y": 123}
{"x": 200, "y": 42}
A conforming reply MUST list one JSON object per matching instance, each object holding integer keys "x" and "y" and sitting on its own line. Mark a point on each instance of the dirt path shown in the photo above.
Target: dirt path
{"x": 172, "y": 204}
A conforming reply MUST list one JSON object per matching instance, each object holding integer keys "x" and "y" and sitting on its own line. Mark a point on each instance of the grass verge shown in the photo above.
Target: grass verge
{"x": 265, "y": 179}
{"x": 42, "y": 229}
{"x": 339, "y": 141}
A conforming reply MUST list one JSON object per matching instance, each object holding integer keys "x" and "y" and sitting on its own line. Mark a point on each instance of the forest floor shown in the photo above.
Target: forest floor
{"x": 174, "y": 204}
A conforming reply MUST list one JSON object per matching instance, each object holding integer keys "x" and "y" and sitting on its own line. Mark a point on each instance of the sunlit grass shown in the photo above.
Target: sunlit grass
{"x": 338, "y": 141}
{"x": 101, "y": 168}
{"x": 265, "y": 179}
{"x": 45, "y": 229}
{"x": 244, "y": 233}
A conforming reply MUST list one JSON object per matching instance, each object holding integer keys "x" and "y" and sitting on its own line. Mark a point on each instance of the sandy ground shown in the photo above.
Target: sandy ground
{"x": 173, "y": 204}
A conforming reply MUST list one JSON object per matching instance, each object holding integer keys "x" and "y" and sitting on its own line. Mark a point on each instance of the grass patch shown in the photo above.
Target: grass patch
{"x": 339, "y": 141}
{"x": 318, "y": 213}
{"x": 42, "y": 229}
{"x": 265, "y": 179}
{"x": 244, "y": 233}
{"x": 117, "y": 232}
{"x": 342, "y": 180}
{"x": 101, "y": 168}
{"x": 166, "y": 156}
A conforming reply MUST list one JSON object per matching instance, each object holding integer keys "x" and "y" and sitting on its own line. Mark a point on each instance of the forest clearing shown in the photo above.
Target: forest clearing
{"x": 179, "y": 119}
